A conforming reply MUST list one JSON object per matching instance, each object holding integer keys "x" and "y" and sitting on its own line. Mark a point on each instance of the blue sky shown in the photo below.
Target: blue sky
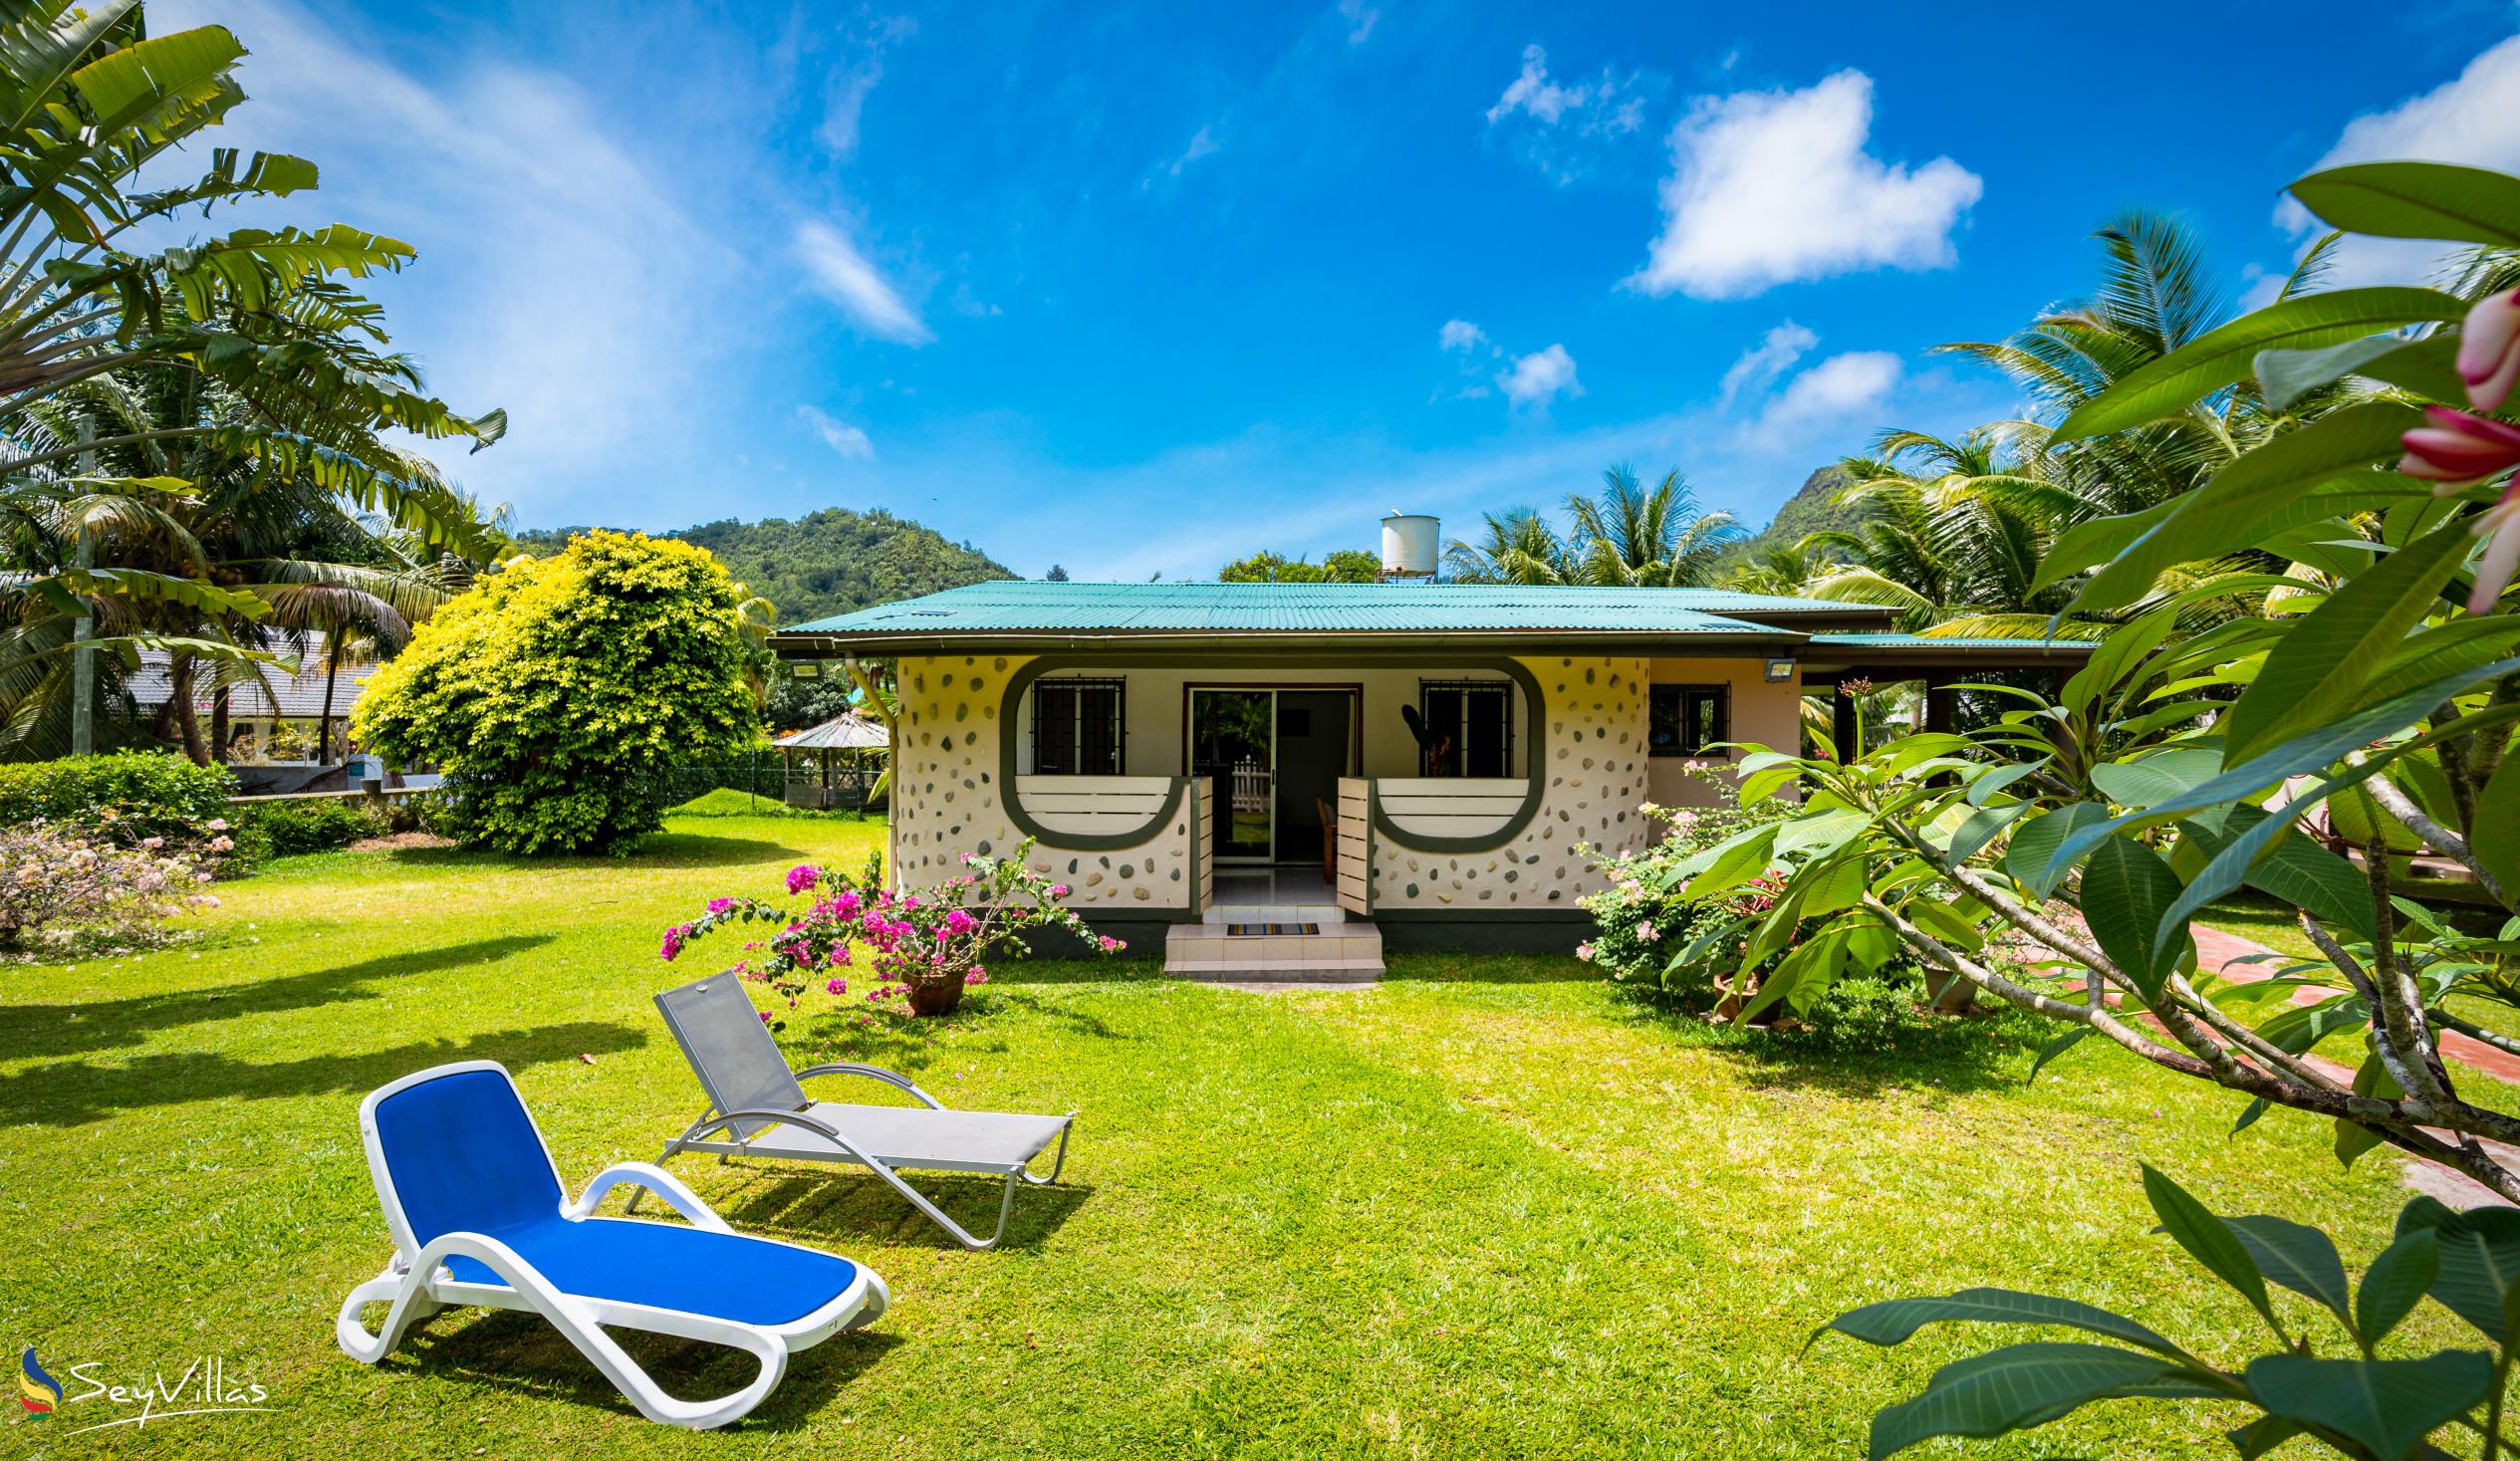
{"x": 1136, "y": 289}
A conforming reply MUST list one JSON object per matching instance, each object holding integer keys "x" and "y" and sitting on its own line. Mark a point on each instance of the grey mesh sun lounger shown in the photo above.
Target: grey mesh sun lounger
{"x": 758, "y": 1108}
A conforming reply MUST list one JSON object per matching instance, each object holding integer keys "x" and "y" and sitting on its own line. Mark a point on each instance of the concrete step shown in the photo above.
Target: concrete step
{"x": 1326, "y": 914}
{"x": 1341, "y": 953}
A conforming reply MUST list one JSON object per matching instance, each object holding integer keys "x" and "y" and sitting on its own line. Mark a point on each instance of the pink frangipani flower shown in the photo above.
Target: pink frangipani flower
{"x": 2489, "y": 350}
{"x": 2499, "y": 525}
{"x": 2457, "y": 447}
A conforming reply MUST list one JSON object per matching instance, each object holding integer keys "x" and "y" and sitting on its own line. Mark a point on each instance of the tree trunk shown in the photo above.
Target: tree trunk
{"x": 180, "y": 699}
{"x": 324, "y": 722}
{"x": 218, "y": 725}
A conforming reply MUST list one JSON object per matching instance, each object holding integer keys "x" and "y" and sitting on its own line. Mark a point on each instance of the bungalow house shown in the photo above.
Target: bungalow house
{"x": 1275, "y": 781}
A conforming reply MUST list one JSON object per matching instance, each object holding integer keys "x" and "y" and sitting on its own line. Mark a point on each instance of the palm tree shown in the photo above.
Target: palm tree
{"x": 1629, "y": 536}
{"x": 89, "y": 327}
{"x": 1520, "y": 548}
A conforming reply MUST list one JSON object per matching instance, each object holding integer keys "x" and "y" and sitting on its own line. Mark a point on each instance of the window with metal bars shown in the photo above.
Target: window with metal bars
{"x": 1469, "y": 727}
{"x": 1078, "y": 727}
{"x": 1684, "y": 720}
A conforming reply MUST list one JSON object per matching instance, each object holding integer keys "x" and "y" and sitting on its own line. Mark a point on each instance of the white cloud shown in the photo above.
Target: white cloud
{"x": 565, "y": 273}
{"x": 1538, "y": 377}
{"x": 1202, "y": 143}
{"x": 1534, "y": 93}
{"x": 1769, "y": 187}
{"x": 835, "y": 268}
{"x": 849, "y": 442}
{"x": 1831, "y": 393}
{"x": 1566, "y": 131}
{"x": 2472, "y": 118}
{"x": 1461, "y": 335}
{"x": 1761, "y": 364}
{"x": 1360, "y": 19}
{"x": 845, "y": 89}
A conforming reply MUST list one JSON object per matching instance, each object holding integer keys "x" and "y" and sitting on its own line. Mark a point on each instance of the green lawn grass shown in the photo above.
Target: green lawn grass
{"x": 2265, "y": 920}
{"x": 1490, "y": 1207}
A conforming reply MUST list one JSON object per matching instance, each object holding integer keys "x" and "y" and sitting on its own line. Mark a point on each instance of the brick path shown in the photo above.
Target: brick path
{"x": 2216, "y": 951}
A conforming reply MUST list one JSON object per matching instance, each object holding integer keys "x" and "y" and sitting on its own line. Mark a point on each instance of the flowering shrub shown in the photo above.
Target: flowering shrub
{"x": 925, "y": 948}
{"x": 1691, "y": 950}
{"x": 64, "y": 884}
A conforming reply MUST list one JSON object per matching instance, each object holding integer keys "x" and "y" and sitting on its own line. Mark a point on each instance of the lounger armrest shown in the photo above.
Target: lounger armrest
{"x": 873, "y": 1072}
{"x": 815, "y": 1124}
{"x": 656, "y": 1179}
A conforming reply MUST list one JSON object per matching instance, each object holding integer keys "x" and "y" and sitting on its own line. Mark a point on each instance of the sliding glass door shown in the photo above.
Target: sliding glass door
{"x": 1233, "y": 748}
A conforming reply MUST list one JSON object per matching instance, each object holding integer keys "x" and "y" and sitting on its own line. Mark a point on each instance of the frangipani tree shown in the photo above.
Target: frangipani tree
{"x": 2055, "y": 858}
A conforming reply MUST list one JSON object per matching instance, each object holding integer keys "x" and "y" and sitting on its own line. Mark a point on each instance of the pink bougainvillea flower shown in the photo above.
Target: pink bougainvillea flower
{"x": 720, "y": 906}
{"x": 2489, "y": 350}
{"x": 2499, "y": 526}
{"x": 840, "y": 955}
{"x": 959, "y": 923}
{"x": 672, "y": 946}
{"x": 765, "y": 1017}
{"x": 2457, "y": 448}
{"x": 837, "y": 986}
{"x": 1110, "y": 944}
{"x": 802, "y": 877}
{"x": 976, "y": 976}
{"x": 1058, "y": 890}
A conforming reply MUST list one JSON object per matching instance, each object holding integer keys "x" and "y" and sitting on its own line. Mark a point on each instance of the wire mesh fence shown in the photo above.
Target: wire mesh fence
{"x": 767, "y": 782}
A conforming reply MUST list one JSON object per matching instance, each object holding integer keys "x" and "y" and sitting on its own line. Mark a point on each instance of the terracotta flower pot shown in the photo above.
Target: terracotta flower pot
{"x": 941, "y": 998}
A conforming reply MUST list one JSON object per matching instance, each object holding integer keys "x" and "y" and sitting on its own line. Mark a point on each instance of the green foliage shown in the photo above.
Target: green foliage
{"x": 1341, "y": 566}
{"x": 553, "y": 691}
{"x": 128, "y": 795}
{"x": 186, "y": 423}
{"x": 2358, "y": 1404}
{"x": 314, "y": 824}
{"x": 830, "y": 562}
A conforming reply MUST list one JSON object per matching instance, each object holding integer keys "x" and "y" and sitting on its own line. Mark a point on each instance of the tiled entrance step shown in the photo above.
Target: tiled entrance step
{"x": 1343, "y": 951}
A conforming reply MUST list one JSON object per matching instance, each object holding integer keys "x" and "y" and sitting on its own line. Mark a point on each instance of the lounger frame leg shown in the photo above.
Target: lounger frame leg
{"x": 909, "y": 1194}
{"x": 579, "y": 1321}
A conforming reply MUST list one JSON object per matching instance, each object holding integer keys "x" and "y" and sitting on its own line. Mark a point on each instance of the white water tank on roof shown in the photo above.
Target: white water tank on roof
{"x": 1410, "y": 545}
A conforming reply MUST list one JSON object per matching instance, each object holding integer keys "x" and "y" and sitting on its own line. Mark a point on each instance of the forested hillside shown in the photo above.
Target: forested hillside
{"x": 828, "y": 562}
{"x": 1810, "y": 510}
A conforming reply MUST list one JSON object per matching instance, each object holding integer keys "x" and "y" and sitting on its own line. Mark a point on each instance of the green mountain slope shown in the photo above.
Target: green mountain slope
{"x": 828, "y": 562}
{"x": 1812, "y": 509}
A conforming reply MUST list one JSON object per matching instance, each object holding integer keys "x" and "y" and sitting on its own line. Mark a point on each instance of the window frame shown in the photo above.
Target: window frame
{"x": 1464, "y": 688}
{"x": 1075, "y": 687}
{"x": 1689, "y": 697}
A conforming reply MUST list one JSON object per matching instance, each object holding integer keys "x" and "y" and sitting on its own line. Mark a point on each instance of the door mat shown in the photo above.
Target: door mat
{"x": 1257, "y": 931}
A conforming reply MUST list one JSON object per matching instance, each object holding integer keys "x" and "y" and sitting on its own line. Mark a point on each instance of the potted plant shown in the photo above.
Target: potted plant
{"x": 928, "y": 947}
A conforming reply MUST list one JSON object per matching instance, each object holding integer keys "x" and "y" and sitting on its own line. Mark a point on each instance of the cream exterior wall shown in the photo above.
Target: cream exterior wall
{"x": 1763, "y": 713}
{"x": 1156, "y": 713}
{"x": 948, "y": 800}
{"x": 1593, "y": 764}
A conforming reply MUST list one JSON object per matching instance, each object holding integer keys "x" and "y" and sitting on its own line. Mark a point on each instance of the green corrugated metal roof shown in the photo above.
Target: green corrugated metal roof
{"x": 1023, "y": 607}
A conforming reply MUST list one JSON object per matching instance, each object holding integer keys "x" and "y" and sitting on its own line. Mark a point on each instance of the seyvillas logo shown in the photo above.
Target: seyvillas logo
{"x": 203, "y": 1387}
{"x": 39, "y": 1392}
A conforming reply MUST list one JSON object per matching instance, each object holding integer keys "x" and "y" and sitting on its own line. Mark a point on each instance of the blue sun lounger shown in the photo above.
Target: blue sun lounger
{"x": 478, "y": 1217}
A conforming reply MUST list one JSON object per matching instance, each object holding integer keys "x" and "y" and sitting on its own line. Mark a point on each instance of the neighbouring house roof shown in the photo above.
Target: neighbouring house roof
{"x": 850, "y": 732}
{"x": 300, "y": 696}
{"x": 1826, "y": 657}
{"x": 1016, "y": 612}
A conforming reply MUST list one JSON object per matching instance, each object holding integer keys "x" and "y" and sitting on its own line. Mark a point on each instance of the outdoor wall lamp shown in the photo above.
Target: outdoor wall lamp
{"x": 1779, "y": 669}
